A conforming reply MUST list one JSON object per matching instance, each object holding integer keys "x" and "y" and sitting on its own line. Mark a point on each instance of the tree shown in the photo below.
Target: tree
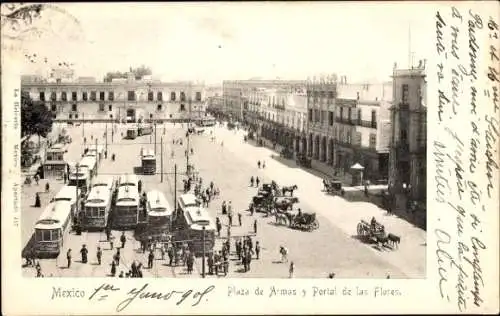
{"x": 36, "y": 119}
{"x": 141, "y": 71}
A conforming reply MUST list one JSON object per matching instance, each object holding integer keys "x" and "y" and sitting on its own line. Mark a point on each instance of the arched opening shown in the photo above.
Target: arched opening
{"x": 316, "y": 147}
{"x": 323, "y": 149}
{"x": 172, "y": 96}
{"x": 330, "y": 152}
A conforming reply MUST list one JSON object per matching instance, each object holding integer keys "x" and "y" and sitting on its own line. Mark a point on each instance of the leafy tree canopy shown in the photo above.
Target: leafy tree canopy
{"x": 36, "y": 119}
{"x": 139, "y": 73}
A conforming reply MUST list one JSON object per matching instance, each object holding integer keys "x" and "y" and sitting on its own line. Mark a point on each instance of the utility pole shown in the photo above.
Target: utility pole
{"x": 203, "y": 257}
{"x": 76, "y": 187}
{"x": 97, "y": 156}
{"x": 175, "y": 189}
{"x": 83, "y": 124}
{"x": 161, "y": 159}
{"x": 155, "y": 135}
{"x": 187, "y": 151}
{"x": 106, "y": 137}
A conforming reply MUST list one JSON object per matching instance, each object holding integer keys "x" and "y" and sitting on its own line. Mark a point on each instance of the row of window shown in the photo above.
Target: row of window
{"x": 318, "y": 116}
{"x": 347, "y": 137}
{"x": 321, "y": 94}
{"x": 131, "y": 96}
{"x": 102, "y": 107}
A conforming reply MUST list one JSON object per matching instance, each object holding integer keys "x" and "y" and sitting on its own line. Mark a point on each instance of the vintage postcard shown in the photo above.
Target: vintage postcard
{"x": 250, "y": 158}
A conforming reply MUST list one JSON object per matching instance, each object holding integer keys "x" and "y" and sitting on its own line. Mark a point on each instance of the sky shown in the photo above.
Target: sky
{"x": 218, "y": 41}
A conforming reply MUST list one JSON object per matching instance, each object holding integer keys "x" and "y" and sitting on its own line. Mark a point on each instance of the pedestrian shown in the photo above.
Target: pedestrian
{"x": 230, "y": 217}
{"x": 257, "y": 250}
{"x": 249, "y": 260}
{"x": 68, "y": 257}
{"x": 121, "y": 274}
{"x": 123, "y": 239}
{"x": 255, "y": 227}
{"x": 162, "y": 249}
{"x": 113, "y": 268}
{"x": 331, "y": 275}
{"x": 291, "y": 269}
{"x": 284, "y": 254}
{"x": 258, "y": 164}
{"x": 38, "y": 270}
{"x": 218, "y": 224}
{"x": 111, "y": 239}
{"x": 38, "y": 202}
{"x": 224, "y": 208}
{"x": 252, "y": 181}
{"x": 84, "y": 252}
{"x": 117, "y": 256}
{"x": 263, "y": 165}
{"x": 239, "y": 218}
{"x": 257, "y": 181}
{"x": 210, "y": 263}
{"x": 151, "y": 257}
{"x": 113, "y": 157}
{"x": 139, "y": 270}
{"x": 99, "y": 255}
{"x": 170, "y": 254}
{"x": 133, "y": 269}
{"x": 139, "y": 186}
{"x": 37, "y": 178}
{"x": 65, "y": 177}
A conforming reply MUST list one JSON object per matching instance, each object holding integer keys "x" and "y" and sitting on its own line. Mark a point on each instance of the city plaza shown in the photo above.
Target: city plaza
{"x": 221, "y": 155}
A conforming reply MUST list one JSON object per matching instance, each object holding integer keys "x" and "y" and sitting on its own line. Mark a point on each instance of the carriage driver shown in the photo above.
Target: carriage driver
{"x": 373, "y": 223}
{"x": 299, "y": 212}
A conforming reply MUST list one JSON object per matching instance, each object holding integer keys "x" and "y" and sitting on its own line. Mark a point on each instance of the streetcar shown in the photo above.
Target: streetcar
{"x": 187, "y": 200}
{"x": 145, "y": 129}
{"x": 89, "y": 163}
{"x": 95, "y": 151}
{"x": 80, "y": 177}
{"x": 126, "y": 211}
{"x": 158, "y": 209}
{"x": 51, "y": 227}
{"x": 194, "y": 222}
{"x": 97, "y": 207}
{"x": 132, "y": 132}
{"x": 148, "y": 161}
{"x": 69, "y": 194}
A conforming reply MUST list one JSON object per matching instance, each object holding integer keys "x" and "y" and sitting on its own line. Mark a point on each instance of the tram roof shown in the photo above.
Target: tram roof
{"x": 157, "y": 201}
{"x": 98, "y": 195}
{"x": 54, "y": 215}
{"x": 127, "y": 193}
{"x": 188, "y": 200}
{"x": 67, "y": 192}
{"x": 198, "y": 217}
{"x": 128, "y": 179}
{"x": 103, "y": 180}
{"x": 88, "y": 161}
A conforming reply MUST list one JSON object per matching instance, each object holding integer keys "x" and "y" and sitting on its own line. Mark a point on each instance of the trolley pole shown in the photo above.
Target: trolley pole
{"x": 187, "y": 151}
{"x": 203, "y": 257}
{"x": 161, "y": 159}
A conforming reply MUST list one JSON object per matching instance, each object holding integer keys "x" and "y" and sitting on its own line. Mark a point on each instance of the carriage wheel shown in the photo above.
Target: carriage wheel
{"x": 360, "y": 229}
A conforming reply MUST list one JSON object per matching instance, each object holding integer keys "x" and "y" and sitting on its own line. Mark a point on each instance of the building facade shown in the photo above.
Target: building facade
{"x": 349, "y": 124}
{"x": 236, "y": 94}
{"x": 407, "y": 170}
{"x": 118, "y": 99}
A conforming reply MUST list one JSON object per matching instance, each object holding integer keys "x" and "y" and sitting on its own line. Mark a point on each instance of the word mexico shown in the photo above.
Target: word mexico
{"x": 59, "y": 292}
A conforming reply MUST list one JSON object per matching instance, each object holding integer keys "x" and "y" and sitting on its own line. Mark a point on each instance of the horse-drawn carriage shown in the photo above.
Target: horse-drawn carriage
{"x": 375, "y": 232}
{"x": 303, "y": 160}
{"x": 285, "y": 202}
{"x": 332, "y": 186}
{"x": 304, "y": 221}
{"x": 286, "y": 153}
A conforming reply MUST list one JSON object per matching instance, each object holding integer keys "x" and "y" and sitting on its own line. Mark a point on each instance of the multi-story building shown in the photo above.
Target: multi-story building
{"x": 348, "y": 124}
{"x": 236, "y": 94}
{"x": 118, "y": 99}
{"x": 407, "y": 169}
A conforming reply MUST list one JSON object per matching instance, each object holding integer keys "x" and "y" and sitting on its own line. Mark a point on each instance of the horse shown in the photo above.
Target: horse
{"x": 394, "y": 240}
{"x": 290, "y": 189}
{"x": 281, "y": 219}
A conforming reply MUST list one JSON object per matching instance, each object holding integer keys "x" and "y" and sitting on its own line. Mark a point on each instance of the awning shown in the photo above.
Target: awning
{"x": 357, "y": 166}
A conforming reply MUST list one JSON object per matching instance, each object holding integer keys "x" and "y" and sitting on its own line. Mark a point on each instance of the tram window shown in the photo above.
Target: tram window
{"x": 38, "y": 235}
{"x": 55, "y": 234}
{"x": 101, "y": 213}
{"x": 110, "y": 107}
{"x": 46, "y": 235}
